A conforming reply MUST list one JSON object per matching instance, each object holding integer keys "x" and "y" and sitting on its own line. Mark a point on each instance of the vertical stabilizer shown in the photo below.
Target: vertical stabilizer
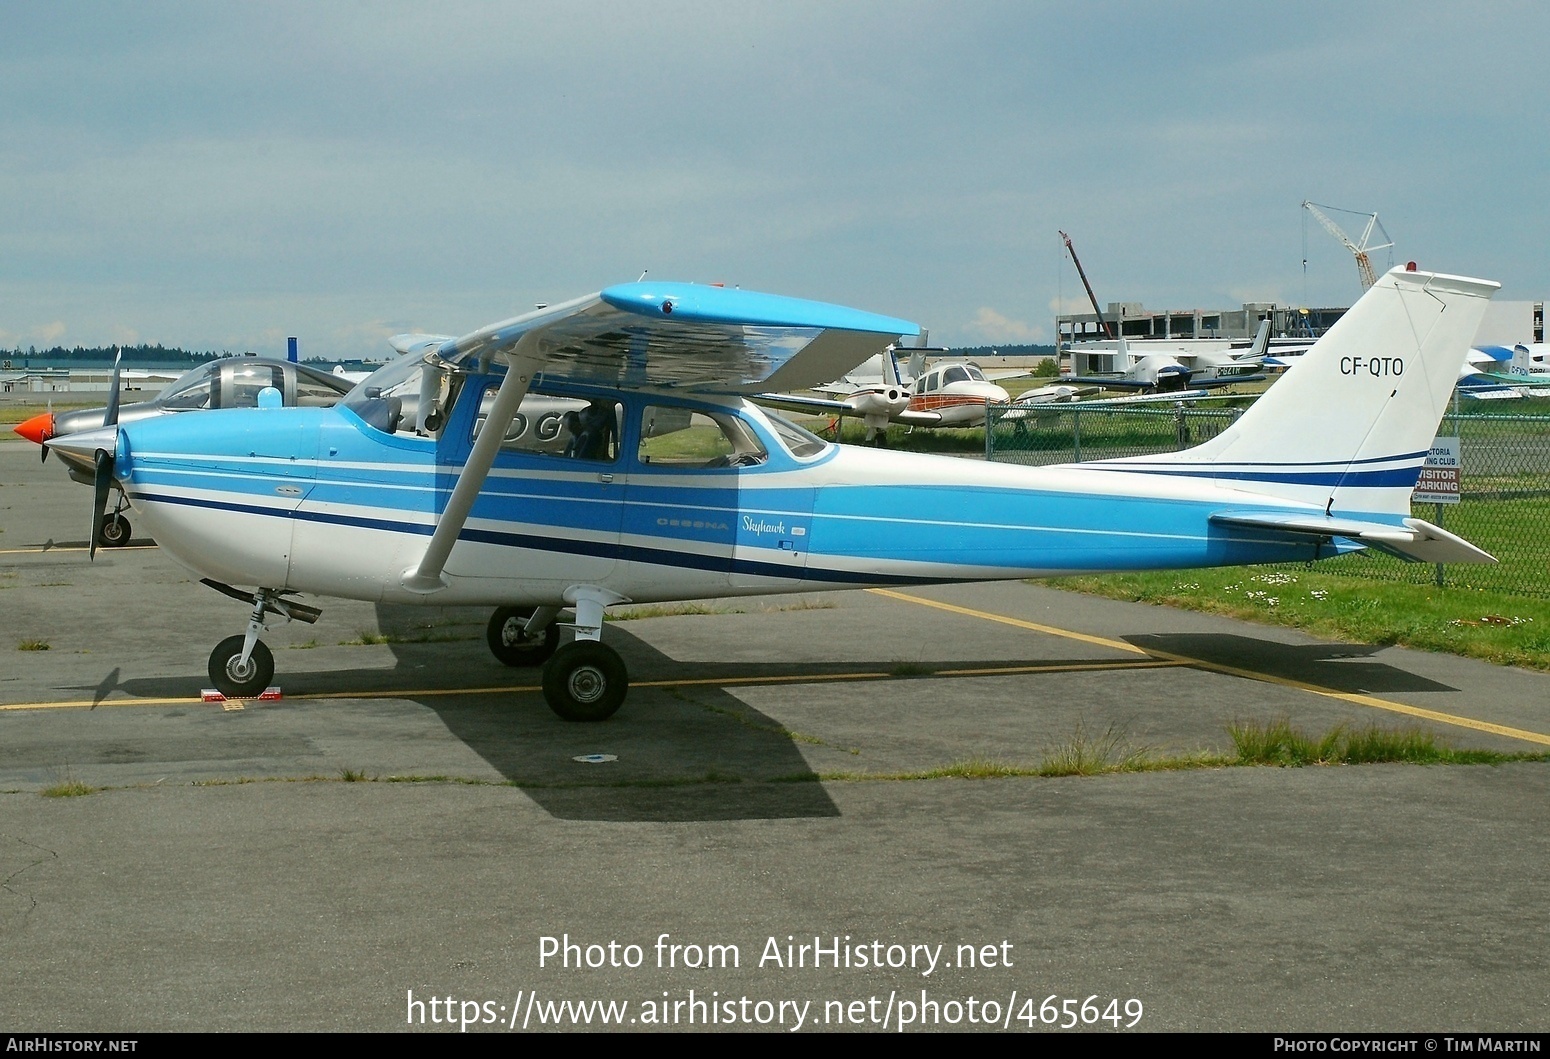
{"x": 1350, "y": 423}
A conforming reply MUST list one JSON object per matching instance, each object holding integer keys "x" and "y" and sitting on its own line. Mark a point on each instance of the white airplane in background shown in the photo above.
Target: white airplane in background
{"x": 674, "y": 487}
{"x": 1046, "y": 401}
{"x": 1525, "y": 369}
{"x": 1174, "y": 371}
{"x": 948, "y": 394}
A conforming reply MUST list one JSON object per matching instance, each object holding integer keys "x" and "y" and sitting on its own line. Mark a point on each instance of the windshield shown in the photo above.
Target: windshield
{"x": 389, "y": 398}
{"x": 191, "y": 389}
{"x": 387, "y": 379}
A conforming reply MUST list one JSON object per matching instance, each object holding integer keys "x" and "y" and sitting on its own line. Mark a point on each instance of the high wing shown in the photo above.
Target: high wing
{"x": 642, "y": 336}
{"x": 700, "y": 338}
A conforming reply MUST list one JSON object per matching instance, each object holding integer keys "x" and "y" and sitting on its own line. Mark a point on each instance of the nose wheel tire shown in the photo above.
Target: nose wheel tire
{"x": 114, "y": 532}
{"x": 510, "y": 643}
{"x": 585, "y": 681}
{"x": 235, "y": 679}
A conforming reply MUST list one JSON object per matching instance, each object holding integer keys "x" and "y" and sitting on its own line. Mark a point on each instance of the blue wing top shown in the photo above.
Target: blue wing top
{"x": 702, "y": 338}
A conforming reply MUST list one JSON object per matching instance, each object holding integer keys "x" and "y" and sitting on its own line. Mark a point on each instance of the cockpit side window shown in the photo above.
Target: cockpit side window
{"x": 683, "y": 438}
{"x": 956, "y": 373}
{"x": 247, "y": 380}
{"x": 550, "y": 425}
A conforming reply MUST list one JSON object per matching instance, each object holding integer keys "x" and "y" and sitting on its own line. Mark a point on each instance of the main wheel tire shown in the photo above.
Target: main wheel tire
{"x": 585, "y": 681}
{"x": 114, "y": 532}
{"x": 510, "y": 643}
{"x": 240, "y": 681}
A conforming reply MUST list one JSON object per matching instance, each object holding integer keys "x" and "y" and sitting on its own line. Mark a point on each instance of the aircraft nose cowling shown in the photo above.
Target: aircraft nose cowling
{"x": 86, "y": 443}
{"x": 38, "y": 429}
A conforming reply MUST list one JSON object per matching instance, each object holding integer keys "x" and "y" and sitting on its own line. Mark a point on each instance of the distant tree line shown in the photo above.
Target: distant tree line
{"x": 1049, "y": 368}
{"x": 104, "y": 354}
{"x": 1001, "y": 351}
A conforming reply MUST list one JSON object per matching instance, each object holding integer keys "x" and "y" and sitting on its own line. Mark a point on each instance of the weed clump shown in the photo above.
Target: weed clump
{"x": 1282, "y": 745}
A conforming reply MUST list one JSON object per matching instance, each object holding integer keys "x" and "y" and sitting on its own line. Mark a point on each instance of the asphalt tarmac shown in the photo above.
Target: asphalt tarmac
{"x": 390, "y": 844}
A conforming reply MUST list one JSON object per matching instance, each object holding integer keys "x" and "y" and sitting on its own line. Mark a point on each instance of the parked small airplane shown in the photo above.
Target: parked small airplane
{"x": 1063, "y": 395}
{"x": 1169, "y": 372}
{"x": 673, "y": 486}
{"x": 1478, "y": 383}
{"x": 231, "y": 382}
{"x": 1524, "y": 368}
{"x": 948, "y": 394}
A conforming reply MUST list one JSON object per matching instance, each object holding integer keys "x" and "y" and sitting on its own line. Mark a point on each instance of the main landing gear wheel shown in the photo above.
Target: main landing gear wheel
{"x": 509, "y": 641}
{"x": 114, "y": 532}
{"x": 234, "y": 679}
{"x": 585, "y": 681}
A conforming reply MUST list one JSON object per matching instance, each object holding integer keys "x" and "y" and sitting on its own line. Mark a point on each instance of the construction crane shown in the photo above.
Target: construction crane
{"x": 1358, "y": 250}
{"x": 1108, "y": 332}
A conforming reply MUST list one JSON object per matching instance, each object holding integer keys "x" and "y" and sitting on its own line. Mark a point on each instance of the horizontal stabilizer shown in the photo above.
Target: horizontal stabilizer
{"x": 1416, "y": 540}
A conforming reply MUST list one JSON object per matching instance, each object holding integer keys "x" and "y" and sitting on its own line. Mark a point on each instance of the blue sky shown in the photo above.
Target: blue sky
{"x": 220, "y": 176}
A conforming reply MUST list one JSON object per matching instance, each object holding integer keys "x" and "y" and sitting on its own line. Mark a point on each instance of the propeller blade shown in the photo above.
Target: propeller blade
{"x": 111, "y": 418}
{"x": 102, "y": 484}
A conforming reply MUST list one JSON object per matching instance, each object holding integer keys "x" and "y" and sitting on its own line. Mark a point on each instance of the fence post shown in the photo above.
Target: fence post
{"x": 1076, "y": 435}
{"x": 1439, "y": 578}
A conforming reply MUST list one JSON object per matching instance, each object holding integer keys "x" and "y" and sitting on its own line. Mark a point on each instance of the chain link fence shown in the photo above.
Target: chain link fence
{"x": 1505, "y": 480}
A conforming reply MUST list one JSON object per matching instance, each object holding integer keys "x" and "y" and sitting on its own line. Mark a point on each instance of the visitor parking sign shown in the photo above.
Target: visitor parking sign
{"x": 1439, "y": 482}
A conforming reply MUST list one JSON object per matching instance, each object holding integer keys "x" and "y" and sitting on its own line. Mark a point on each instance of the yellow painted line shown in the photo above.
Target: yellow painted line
{"x": 1365, "y": 700}
{"x": 780, "y": 678}
{"x": 1247, "y": 674}
{"x": 1048, "y": 630}
{"x": 88, "y": 703}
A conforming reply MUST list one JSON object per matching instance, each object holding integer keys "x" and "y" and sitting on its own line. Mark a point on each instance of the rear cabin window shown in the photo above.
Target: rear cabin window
{"x": 681, "y": 438}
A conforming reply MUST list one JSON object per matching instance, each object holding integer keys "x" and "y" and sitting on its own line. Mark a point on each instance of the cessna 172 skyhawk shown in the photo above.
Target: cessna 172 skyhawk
{"x": 661, "y": 481}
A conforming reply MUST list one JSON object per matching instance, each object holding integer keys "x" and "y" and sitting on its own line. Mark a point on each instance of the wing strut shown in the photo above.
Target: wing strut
{"x": 521, "y": 365}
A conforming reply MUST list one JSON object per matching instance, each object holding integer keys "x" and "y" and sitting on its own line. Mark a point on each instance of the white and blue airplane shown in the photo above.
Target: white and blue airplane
{"x": 644, "y": 474}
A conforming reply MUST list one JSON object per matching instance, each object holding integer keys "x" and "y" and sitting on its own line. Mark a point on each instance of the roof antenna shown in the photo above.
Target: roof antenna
{"x": 643, "y": 274}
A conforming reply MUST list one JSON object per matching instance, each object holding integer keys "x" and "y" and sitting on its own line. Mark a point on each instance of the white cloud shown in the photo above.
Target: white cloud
{"x": 992, "y": 326}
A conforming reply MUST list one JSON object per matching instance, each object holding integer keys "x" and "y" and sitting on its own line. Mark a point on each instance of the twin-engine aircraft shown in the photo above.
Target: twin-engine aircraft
{"x": 603, "y": 451}
{"x": 948, "y": 394}
{"x": 1174, "y": 372}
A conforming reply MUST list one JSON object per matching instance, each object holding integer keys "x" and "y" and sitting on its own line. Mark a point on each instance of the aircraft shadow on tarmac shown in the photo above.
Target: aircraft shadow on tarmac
{"x": 704, "y": 755}
{"x": 685, "y": 751}
{"x": 1338, "y": 667}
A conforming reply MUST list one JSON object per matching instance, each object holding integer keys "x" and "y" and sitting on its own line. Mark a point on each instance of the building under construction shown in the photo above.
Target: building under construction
{"x": 1134, "y": 321}
{"x": 1088, "y": 347}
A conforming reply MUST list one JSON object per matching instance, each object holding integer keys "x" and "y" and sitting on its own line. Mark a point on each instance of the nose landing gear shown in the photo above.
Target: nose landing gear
{"x": 241, "y": 666}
